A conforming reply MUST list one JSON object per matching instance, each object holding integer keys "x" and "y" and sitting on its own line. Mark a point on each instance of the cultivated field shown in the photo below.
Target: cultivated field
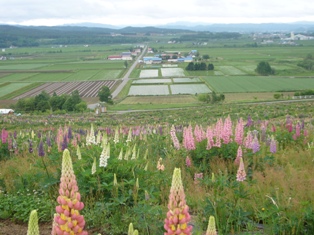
{"x": 189, "y": 89}
{"x": 85, "y": 89}
{"x": 149, "y": 90}
{"x": 172, "y": 72}
{"x": 149, "y": 73}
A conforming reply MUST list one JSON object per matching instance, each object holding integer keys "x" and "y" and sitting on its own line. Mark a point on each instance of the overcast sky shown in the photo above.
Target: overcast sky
{"x": 153, "y": 12}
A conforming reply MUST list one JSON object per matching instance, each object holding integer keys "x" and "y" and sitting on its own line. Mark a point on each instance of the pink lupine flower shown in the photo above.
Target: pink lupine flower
{"x": 227, "y": 130}
{"x": 241, "y": 175}
{"x": 239, "y": 155}
{"x": 178, "y": 215}
{"x": 4, "y": 136}
{"x": 199, "y": 133}
{"x": 298, "y": 130}
{"x": 174, "y": 138}
{"x": 160, "y": 166}
{"x": 218, "y": 133}
{"x": 239, "y": 132}
{"x": 188, "y": 139}
{"x": 210, "y": 138}
{"x": 188, "y": 161}
{"x": 68, "y": 219}
{"x": 197, "y": 176}
{"x": 248, "y": 140}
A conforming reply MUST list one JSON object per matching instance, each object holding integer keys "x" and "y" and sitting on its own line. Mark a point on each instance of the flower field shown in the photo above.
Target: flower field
{"x": 190, "y": 171}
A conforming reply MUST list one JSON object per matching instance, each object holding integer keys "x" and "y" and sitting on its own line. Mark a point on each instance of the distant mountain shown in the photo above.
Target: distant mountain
{"x": 245, "y": 28}
{"x": 94, "y": 25}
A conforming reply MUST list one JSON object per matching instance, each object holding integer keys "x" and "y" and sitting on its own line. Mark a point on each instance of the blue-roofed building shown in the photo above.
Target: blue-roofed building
{"x": 152, "y": 60}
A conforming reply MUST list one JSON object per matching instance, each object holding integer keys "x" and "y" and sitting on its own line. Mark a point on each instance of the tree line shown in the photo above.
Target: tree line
{"x": 44, "y": 102}
{"x": 199, "y": 66}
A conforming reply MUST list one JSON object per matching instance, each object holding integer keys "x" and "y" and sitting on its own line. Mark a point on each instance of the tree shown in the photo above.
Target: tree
{"x": 126, "y": 64}
{"x": 42, "y": 101}
{"x": 104, "y": 95}
{"x": 263, "y": 68}
{"x": 190, "y": 66}
{"x": 205, "y": 57}
{"x": 210, "y": 67}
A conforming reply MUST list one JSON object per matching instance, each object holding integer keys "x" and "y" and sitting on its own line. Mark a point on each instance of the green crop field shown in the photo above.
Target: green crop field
{"x": 152, "y": 81}
{"x": 16, "y": 77}
{"x": 189, "y": 89}
{"x": 11, "y": 87}
{"x": 185, "y": 80}
{"x": 258, "y": 83}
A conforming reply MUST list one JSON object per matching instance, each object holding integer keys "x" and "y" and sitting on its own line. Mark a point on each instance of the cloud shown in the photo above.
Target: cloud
{"x": 125, "y": 12}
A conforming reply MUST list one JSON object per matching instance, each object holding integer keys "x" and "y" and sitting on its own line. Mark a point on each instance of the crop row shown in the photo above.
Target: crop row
{"x": 85, "y": 89}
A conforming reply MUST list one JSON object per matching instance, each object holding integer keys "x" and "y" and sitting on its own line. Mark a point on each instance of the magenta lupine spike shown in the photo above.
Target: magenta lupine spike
{"x": 174, "y": 138}
{"x": 239, "y": 131}
{"x": 197, "y": 177}
{"x": 218, "y": 133}
{"x": 178, "y": 215}
{"x": 4, "y": 136}
{"x": 227, "y": 130}
{"x": 210, "y": 138}
{"x": 241, "y": 174}
{"x": 188, "y": 161}
{"x": 298, "y": 129}
{"x": 68, "y": 219}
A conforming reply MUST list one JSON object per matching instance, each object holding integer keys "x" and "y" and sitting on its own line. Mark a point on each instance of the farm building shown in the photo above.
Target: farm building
{"x": 6, "y": 111}
{"x": 115, "y": 57}
{"x": 126, "y": 56}
{"x": 152, "y": 60}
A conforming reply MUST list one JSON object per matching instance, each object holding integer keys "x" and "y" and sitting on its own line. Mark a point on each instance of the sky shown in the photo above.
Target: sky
{"x": 153, "y": 12}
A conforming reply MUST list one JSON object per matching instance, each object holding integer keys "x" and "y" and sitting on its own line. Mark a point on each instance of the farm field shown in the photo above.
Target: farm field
{"x": 86, "y": 89}
{"x": 149, "y": 73}
{"x": 6, "y": 89}
{"x": 152, "y": 81}
{"x": 172, "y": 72}
{"x": 186, "y": 80}
{"x": 177, "y": 99}
{"x": 258, "y": 83}
{"x": 149, "y": 90}
{"x": 189, "y": 89}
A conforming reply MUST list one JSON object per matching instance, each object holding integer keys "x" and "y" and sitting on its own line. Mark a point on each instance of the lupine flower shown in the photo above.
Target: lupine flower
{"x": 227, "y": 130}
{"x": 105, "y": 155}
{"x": 241, "y": 174}
{"x": 70, "y": 135}
{"x": 210, "y": 138}
{"x": 211, "y": 228}
{"x": 78, "y": 152}
{"x": 188, "y": 139}
{"x": 30, "y": 146}
{"x": 239, "y": 155}
{"x": 197, "y": 176}
{"x": 120, "y": 157}
{"x": 64, "y": 143}
{"x": 160, "y": 166}
{"x": 33, "y": 228}
{"x": 255, "y": 145}
{"x": 199, "y": 133}
{"x": 129, "y": 139}
{"x": 174, "y": 138}
{"x": 94, "y": 166}
{"x": 239, "y": 132}
{"x": 178, "y": 215}
{"x": 91, "y": 137}
{"x": 68, "y": 219}
{"x": 131, "y": 230}
{"x": 188, "y": 162}
{"x": 4, "y": 136}
{"x": 41, "y": 151}
{"x": 116, "y": 136}
{"x": 133, "y": 153}
{"x": 272, "y": 146}
{"x": 249, "y": 121}
{"x": 298, "y": 130}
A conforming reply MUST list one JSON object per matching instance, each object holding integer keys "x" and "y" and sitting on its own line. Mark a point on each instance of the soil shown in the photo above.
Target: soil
{"x": 7, "y": 227}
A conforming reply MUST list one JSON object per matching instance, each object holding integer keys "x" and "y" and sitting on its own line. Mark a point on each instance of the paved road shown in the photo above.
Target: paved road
{"x": 125, "y": 79}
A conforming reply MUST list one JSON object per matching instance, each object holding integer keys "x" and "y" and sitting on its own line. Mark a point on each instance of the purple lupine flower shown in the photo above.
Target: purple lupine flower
{"x": 273, "y": 146}
{"x": 70, "y": 136}
{"x": 255, "y": 145}
{"x": 249, "y": 121}
{"x": 48, "y": 140}
{"x": 30, "y": 146}
{"x": 64, "y": 143}
{"x": 41, "y": 151}
{"x": 14, "y": 134}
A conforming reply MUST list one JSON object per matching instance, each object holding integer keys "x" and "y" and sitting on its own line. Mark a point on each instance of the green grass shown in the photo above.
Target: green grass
{"x": 11, "y": 87}
{"x": 16, "y": 77}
